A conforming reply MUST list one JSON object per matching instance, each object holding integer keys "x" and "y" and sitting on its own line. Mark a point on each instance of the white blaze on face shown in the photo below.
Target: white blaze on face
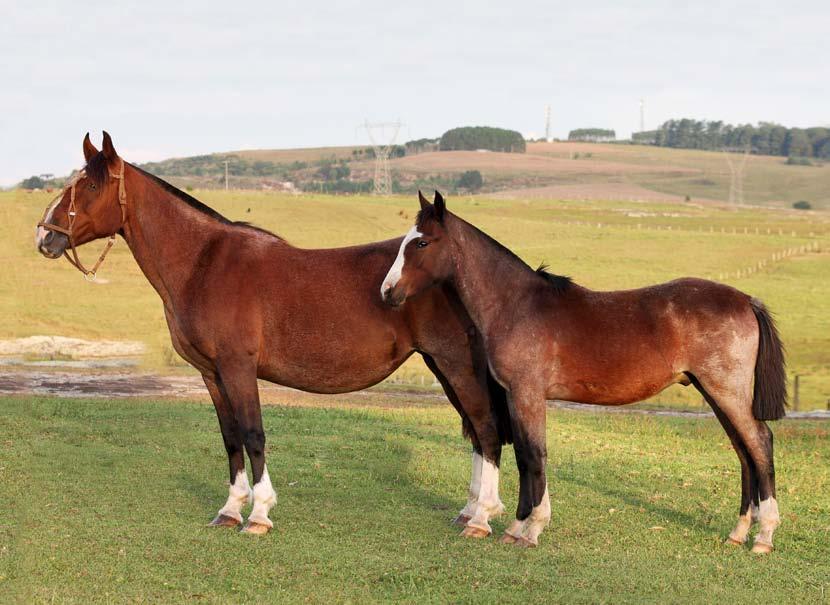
{"x": 394, "y": 275}
{"x": 41, "y": 232}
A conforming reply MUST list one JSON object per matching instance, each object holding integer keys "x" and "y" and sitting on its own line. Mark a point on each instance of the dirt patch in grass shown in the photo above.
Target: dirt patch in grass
{"x": 61, "y": 347}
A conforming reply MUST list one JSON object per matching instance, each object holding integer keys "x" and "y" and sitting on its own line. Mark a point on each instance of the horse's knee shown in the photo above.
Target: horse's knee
{"x": 254, "y": 439}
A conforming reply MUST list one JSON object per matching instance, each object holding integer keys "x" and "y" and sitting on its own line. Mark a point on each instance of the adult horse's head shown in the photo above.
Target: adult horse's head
{"x": 425, "y": 255}
{"x": 90, "y": 207}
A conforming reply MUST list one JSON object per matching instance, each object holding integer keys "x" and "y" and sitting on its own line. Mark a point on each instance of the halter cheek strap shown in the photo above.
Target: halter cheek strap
{"x": 74, "y": 259}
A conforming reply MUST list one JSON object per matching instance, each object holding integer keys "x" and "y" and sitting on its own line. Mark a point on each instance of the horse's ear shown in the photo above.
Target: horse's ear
{"x": 440, "y": 206}
{"x": 89, "y": 148}
{"x": 424, "y": 201}
{"x": 107, "y": 147}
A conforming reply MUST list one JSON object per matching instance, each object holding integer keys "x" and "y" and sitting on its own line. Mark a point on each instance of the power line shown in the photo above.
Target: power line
{"x": 736, "y": 171}
{"x": 382, "y": 136}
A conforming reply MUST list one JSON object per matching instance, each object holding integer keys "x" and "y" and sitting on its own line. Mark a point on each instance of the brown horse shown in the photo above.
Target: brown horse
{"x": 547, "y": 338}
{"x": 243, "y": 304}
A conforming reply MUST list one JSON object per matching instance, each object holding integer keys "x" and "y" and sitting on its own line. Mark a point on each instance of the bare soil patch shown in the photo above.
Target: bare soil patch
{"x": 528, "y": 163}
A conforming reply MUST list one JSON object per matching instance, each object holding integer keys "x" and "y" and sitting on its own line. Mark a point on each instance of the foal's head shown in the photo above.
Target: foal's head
{"x": 425, "y": 255}
{"x": 88, "y": 208}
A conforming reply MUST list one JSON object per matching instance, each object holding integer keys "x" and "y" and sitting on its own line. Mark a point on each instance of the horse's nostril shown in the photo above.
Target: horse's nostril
{"x": 49, "y": 237}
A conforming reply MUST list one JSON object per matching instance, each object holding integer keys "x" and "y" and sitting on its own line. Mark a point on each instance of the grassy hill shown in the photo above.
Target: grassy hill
{"x": 548, "y": 170}
{"x": 769, "y": 253}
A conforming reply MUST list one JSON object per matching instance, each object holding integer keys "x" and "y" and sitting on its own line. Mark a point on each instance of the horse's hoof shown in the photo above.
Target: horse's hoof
{"x": 733, "y": 542}
{"x": 258, "y": 529}
{"x": 762, "y": 548}
{"x": 524, "y": 543}
{"x": 224, "y": 521}
{"x": 474, "y": 532}
{"x": 461, "y": 520}
{"x": 508, "y": 539}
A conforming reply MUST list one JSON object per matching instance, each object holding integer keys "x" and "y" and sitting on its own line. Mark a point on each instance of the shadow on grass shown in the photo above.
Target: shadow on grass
{"x": 323, "y": 448}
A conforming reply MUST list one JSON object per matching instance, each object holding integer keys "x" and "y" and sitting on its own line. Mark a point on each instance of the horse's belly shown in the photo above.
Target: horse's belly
{"x": 336, "y": 368}
{"x": 611, "y": 387}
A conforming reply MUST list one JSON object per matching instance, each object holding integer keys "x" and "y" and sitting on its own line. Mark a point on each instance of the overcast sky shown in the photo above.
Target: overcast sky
{"x": 178, "y": 78}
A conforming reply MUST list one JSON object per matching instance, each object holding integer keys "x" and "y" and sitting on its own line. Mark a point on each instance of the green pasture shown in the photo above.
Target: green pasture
{"x": 603, "y": 245}
{"x": 106, "y": 501}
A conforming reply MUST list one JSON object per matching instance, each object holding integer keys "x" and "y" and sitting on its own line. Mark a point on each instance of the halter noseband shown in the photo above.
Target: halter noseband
{"x": 74, "y": 260}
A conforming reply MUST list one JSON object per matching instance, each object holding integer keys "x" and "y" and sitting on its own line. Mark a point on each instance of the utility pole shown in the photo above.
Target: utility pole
{"x": 547, "y": 123}
{"x": 642, "y": 115}
{"x": 226, "y": 175}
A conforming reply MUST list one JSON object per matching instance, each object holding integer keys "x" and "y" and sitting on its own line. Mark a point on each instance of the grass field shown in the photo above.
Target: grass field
{"x": 603, "y": 245}
{"x": 106, "y": 501}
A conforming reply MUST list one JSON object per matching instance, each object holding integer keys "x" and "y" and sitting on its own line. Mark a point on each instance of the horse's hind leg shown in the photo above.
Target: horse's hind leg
{"x": 756, "y": 438}
{"x": 748, "y": 513}
{"x": 238, "y": 381}
{"x": 469, "y": 394}
{"x": 239, "y": 493}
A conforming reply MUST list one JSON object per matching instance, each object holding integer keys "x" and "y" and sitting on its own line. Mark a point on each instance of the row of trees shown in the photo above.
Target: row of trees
{"x": 766, "y": 138}
{"x": 593, "y": 135}
{"x": 471, "y": 138}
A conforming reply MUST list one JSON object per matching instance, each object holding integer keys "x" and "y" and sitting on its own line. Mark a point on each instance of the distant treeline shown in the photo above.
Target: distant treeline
{"x": 594, "y": 135}
{"x": 766, "y": 138}
{"x": 482, "y": 137}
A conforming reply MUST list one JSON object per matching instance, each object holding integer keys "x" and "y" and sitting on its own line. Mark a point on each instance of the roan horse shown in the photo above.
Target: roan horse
{"x": 548, "y": 338}
{"x": 241, "y": 303}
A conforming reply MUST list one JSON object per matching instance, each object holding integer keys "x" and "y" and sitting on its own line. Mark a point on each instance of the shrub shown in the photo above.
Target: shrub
{"x": 471, "y": 180}
{"x": 33, "y": 182}
{"x": 802, "y": 205}
{"x": 798, "y": 161}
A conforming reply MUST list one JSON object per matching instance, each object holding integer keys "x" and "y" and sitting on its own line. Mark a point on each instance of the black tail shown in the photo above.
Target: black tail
{"x": 770, "y": 396}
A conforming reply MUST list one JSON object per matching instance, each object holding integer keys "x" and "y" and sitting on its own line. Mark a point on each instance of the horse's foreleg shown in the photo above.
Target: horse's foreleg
{"x": 468, "y": 392}
{"x": 527, "y": 412}
{"x": 239, "y": 493}
{"x": 238, "y": 379}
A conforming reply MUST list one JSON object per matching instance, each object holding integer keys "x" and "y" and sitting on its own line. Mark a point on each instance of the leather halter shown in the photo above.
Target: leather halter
{"x": 74, "y": 260}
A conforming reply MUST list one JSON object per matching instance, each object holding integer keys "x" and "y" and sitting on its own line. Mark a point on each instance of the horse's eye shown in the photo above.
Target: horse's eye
{"x": 422, "y": 244}
{"x": 92, "y": 186}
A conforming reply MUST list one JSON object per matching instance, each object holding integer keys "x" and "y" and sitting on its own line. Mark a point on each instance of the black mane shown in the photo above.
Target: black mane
{"x": 560, "y": 283}
{"x": 97, "y": 169}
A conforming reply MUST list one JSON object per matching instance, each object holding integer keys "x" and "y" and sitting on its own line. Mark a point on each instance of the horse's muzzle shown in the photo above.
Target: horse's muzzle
{"x": 393, "y": 296}
{"x": 53, "y": 244}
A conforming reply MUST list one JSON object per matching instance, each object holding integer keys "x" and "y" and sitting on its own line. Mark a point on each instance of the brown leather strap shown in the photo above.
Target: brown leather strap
{"x": 75, "y": 260}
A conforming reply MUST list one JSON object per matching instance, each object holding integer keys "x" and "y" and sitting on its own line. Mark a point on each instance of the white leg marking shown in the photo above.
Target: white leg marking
{"x": 742, "y": 528}
{"x": 769, "y": 520}
{"x": 475, "y": 486}
{"x": 538, "y": 519}
{"x": 487, "y": 502}
{"x": 264, "y": 498}
{"x": 394, "y": 273}
{"x": 239, "y": 494}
